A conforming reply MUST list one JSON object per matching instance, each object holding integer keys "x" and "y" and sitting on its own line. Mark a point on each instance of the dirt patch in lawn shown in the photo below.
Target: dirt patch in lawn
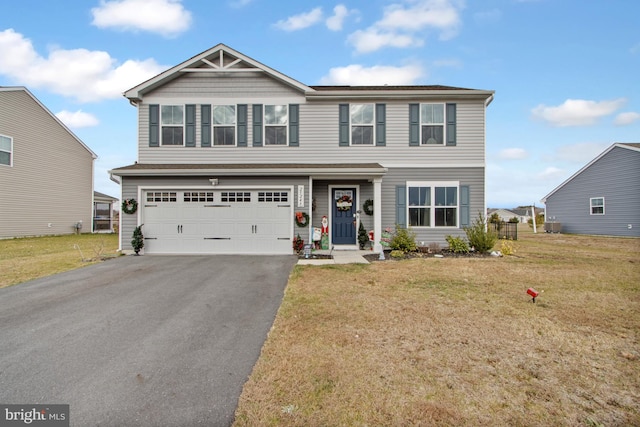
{"x": 457, "y": 341}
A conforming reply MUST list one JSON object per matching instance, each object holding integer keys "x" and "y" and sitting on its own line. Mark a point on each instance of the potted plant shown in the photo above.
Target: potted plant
{"x": 363, "y": 236}
{"x": 138, "y": 239}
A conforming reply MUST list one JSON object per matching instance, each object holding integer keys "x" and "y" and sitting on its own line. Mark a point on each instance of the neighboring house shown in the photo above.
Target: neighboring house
{"x": 232, "y": 155}
{"x": 504, "y": 214}
{"x": 46, "y": 172}
{"x": 103, "y": 213}
{"x": 601, "y": 198}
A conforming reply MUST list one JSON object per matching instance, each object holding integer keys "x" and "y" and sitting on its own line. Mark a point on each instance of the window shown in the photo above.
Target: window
{"x": 273, "y": 196}
{"x": 432, "y": 124}
{"x": 432, "y": 204}
{"x": 161, "y": 196}
{"x": 198, "y": 196}
{"x": 597, "y": 205}
{"x": 6, "y": 150}
{"x": 172, "y": 121}
{"x": 224, "y": 125}
{"x": 235, "y": 196}
{"x": 362, "y": 121}
{"x": 276, "y": 119}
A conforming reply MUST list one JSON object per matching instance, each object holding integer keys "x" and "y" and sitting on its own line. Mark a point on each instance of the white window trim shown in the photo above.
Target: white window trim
{"x": 10, "y": 152}
{"x": 265, "y": 126}
{"x": 432, "y": 206}
{"x": 214, "y": 126}
{"x": 444, "y": 124}
{"x": 373, "y": 126}
{"x": 184, "y": 112}
{"x": 591, "y": 206}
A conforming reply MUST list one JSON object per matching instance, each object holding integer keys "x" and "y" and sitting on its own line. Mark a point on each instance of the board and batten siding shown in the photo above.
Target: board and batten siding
{"x": 472, "y": 177}
{"x": 130, "y": 186}
{"x": 616, "y": 177}
{"x": 49, "y": 188}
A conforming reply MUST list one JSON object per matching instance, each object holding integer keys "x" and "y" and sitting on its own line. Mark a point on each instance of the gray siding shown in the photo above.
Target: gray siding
{"x": 473, "y": 177}
{"x": 50, "y": 186}
{"x": 318, "y": 127}
{"x": 616, "y": 177}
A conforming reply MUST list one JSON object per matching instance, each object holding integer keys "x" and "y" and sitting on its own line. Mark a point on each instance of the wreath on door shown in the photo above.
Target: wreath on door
{"x": 129, "y": 206}
{"x": 344, "y": 203}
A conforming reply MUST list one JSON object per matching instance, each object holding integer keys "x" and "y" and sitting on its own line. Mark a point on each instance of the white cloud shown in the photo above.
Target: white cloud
{"x": 301, "y": 21}
{"x": 402, "y": 24}
{"x": 358, "y": 75}
{"x": 166, "y": 17}
{"x": 551, "y": 173}
{"x": 418, "y": 15}
{"x": 373, "y": 39}
{"x": 78, "y": 119}
{"x": 340, "y": 13}
{"x": 576, "y": 112}
{"x": 77, "y": 73}
{"x": 624, "y": 119}
{"x": 513, "y": 154}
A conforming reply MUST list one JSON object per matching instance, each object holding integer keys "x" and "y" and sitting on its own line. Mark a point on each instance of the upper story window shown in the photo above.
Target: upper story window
{"x": 597, "y": 205}
{"x": 276, "y": 119}
{"x": 432, "y": 124}
{"x": 362, "y": 122}
{"x": 224, "y": 125}
{"x": 172, "y": 122}
{"x": 432, "y": 204}
{"x": 6, "y": 150}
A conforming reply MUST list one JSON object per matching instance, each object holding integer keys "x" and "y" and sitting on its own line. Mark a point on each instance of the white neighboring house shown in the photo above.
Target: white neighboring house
{"x": 234, "y": 156}
{"x": 46, "y": 172}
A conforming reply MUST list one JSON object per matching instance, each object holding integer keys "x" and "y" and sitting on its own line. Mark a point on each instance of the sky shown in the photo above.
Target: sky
{"x": 566, "y": 73}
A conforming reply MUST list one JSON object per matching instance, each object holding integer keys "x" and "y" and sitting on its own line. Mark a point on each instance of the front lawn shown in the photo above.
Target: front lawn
{"x": 34, "y": 257}
{"x": 457, "y": 341}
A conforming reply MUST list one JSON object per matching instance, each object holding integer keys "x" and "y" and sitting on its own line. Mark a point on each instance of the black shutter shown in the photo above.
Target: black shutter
{"x": 154, "y": 125}
{"x": 381, "y": 127}
{"x": 451, "y": 124}
{"x": 344, "y": 125}
{"x": 257, "y": 125}
{"x": 294, "y": 125}
{"x": 190, "y": 128}
{"x": 205, "y": 119}
{"x": 414, "y": 124}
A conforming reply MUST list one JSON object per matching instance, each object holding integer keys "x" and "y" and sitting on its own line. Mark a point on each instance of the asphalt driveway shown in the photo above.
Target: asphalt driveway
{"x": 144, "y": 341}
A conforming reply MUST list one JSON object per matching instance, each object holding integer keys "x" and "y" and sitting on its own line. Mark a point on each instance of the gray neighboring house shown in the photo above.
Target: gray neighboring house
{"x": 601, "y": 198}
{"x": 46, "y": 172}
{"x": 233, "y": 156}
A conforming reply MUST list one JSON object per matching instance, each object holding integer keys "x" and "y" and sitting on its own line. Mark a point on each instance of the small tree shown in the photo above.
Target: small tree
{"x": 481, "y": 238}
{"x": 138, "y": 239}
{"x": 514, "y": 220}
{"x": 363, "y": 236}
{"x": 539, "y": 220}
{"x": 495, "y": 218}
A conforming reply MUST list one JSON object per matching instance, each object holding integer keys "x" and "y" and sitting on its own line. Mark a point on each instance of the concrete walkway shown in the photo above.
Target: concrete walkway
{"x": 339, "y": 257}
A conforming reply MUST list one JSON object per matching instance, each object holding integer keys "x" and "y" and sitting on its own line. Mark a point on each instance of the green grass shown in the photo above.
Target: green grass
{"x": 30, "y": 258}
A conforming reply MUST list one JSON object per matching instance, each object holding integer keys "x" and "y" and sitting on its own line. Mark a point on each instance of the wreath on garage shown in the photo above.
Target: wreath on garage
{"x": 368, "y": 207}
{"x": 302, "y": 219}
{"x": 129, "y": 206}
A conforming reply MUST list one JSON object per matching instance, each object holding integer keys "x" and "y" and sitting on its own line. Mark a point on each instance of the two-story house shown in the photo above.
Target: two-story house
{"x": 233, "y": 156}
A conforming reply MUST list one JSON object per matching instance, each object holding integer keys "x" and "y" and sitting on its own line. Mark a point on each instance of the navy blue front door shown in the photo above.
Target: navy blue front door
{"x": 343, "y": 216}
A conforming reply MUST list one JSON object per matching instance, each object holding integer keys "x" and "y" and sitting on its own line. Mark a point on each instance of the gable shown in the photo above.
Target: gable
{"x": 221, "y": 62}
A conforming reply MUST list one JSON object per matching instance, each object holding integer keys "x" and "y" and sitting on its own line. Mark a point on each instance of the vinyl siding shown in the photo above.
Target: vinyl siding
{"x": 318, "y": 126}
{"x": 473, "y": 177}
{"x": 51, "y": 181}
{"x": 616, "y": 177}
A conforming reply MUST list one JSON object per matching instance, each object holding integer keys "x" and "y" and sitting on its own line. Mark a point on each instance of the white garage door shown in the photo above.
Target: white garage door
{"x": 217, "y": 221}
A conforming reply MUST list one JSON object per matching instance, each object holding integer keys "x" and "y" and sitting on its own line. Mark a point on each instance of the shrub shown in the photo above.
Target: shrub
{"x": 479, "y": 236}
{"x": 298, "y": 243}
{"x": 514, "y": 220}
{"x": 137, "y": 242}
{"x": 457, "y": 244}
{"x": 508, "y": 247}
{"x": 363, "y": 236}
{"x": 404, "y": 240}
{"x": 495, "y": 218}
{"x": 397, "y": 254}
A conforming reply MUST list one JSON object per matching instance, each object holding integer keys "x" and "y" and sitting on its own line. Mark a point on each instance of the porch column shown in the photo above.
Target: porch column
{"x": 377, "y": 214}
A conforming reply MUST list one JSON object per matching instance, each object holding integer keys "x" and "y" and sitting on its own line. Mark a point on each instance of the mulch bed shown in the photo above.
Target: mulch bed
{"x": 409, "y": 255}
